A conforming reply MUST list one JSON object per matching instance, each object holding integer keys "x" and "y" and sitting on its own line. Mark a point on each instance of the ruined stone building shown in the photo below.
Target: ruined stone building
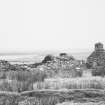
{"x": 97, "y": 57}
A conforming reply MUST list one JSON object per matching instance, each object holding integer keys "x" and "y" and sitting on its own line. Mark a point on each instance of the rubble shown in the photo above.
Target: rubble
{"x": 62, "y": 64}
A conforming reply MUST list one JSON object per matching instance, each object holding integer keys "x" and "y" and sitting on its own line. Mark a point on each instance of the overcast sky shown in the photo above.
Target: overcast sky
{"x": 40, "y": 25}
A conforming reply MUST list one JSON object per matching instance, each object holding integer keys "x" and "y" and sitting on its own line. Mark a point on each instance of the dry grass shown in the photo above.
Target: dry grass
{"x": 40, "y": 101}
{"x": 88, "y": 103}
{"x": 19, "y": 81}
{"x": 47, "y": 98}
{"x": 72, "y": 83}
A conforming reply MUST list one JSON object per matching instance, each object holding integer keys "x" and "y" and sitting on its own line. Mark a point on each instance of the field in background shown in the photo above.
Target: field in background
{"x": 19, "y": 58}
{"x": 22, "y": 58}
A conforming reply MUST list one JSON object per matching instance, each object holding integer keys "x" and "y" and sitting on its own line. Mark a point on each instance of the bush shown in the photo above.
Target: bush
{"x": 98, "y": 72}
{"x": 47, "y": 59}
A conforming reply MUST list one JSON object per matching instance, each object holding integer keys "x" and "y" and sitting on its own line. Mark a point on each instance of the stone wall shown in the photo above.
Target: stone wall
{"x": 97, "y": 57}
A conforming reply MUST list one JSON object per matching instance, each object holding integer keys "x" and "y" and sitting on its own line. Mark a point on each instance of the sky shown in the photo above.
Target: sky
{"x": 51, "y": 25}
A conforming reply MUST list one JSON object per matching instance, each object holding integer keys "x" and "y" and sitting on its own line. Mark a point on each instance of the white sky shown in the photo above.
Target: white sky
{"x": 39, "y": 25}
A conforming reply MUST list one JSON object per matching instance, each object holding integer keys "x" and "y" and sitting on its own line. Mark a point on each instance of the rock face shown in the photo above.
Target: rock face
{"x": 97, "y": 58}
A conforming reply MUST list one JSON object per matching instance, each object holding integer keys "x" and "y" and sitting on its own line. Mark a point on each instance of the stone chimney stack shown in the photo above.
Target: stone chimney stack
{"x": 97, "y": 57}
{"x": 99, "y": 47}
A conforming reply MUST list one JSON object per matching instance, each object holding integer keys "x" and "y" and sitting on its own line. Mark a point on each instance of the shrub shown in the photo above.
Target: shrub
{"x": 47, "y": 59}
{"x": 98, "y": 72}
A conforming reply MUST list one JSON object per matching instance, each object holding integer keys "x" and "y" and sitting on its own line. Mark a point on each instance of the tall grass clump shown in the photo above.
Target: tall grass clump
{"x": 72, "y": 83}
{"x": 20, "y": 80}
{"x": 2, "y": 75}
{"x": 26, "y": 75}
{"x": 48, "y": 100}
{"x": 87, "y": 103}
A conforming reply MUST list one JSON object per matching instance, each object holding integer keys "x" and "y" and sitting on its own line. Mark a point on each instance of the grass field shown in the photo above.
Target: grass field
{"x": 74, "y": 97}
{"x": 88, "y": 103}
{"x": 51, "y": 97}
{"x": 71, "y": 83}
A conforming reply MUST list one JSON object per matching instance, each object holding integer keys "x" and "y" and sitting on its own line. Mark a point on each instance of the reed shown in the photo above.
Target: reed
{"x": 71, "y": 83}
{"x": 88, "y": 103}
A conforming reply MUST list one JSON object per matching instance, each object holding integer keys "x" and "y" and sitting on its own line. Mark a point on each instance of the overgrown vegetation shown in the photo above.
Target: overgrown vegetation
{"x": 20, "y": 80}
{"x": 72, "y": 83}
{"x": 22, "y": 77}
{"x": 54, "y": 97}
{"x": 87, "y": 103}
{"x": 54, "y": 80}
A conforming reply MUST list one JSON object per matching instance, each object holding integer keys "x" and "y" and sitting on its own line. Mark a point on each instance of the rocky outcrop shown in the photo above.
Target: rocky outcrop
{"x": 62, "y": 65}
{"x": 5, "y": 65}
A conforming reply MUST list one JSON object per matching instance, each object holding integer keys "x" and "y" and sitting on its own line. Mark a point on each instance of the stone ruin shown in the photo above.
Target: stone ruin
{"x": 97, "y": 57}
